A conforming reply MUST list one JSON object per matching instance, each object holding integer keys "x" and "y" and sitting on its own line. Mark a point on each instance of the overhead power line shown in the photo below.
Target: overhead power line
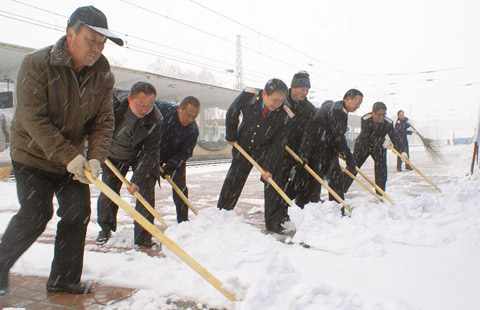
{"x": 429, "y": 89}
{"x": 126, "y": 35}
{"x": 29, "y": 22}
{"x": 226, "y": 40}
{"x": 420, "y": 72}
{"x": 49, "y": 25}
{"x": 139, "y": 49}
{"x": 246, "y": 70}
{"x": 430, "y": 79}
{"x": 41, "y": 9}
{"x": 286, "y": 45}
{"x": 212, "y": 67}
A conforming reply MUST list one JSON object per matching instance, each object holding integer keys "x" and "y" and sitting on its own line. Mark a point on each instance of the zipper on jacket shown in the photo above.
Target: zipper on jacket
{"x": 79, "y": 94}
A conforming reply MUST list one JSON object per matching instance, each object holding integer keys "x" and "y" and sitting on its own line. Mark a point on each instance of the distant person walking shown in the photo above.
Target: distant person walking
{"x": 401, "y": 127}
{"x": 4, "y": 133}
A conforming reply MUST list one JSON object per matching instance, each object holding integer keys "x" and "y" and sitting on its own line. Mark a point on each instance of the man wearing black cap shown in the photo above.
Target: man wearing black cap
{"x": 295, "y": 177}
{"x": 64, "y": 98}
{"x": 262, "y": 135}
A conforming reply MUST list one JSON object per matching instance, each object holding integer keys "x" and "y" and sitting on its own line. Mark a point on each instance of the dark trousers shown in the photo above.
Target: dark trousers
{"x": 403, "y": 148}
{"x": 379, "y": 156}
{"x": 107, "y": 210}
{"x": 179, "y": 178}
{"x": 276, "y": 210}
{"x": 331, "y": 172}
{"x": 290, "y": 176}
{"x": 299, "y": 185}
{"x": 324, "y": 162}
{"x": 35, "y": 190}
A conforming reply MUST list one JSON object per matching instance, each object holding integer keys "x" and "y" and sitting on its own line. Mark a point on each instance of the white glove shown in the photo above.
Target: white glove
{"x": 94, "y": 167}
{"x": 386, "y": 144}
{"x": 404, "y": 155}
{"x": 75, "y": 167}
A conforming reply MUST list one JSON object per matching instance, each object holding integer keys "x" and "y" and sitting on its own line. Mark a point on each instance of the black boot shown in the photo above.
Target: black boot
{"x": 148, "y": 244}
{"x": 78, "y": 288}
{"x": 103, "y": 236}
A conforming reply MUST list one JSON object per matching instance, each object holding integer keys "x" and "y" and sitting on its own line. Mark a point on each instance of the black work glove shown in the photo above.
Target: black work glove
{"x": 351, "y": 164}
{"x": 304, "y": 161}
{"x": 300, "y": 165}
{"x": 167, "y": 170}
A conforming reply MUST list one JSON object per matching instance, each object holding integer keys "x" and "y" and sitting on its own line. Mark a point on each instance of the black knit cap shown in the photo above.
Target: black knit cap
{"x": 94, "y": 19}
{"x": 301, "y": 79}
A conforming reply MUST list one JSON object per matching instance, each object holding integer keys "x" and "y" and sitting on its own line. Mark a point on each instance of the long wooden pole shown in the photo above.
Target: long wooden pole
{"x": 136, "y": 193}
{"x": 477, "y": 157}
{"x": 425, "y": 141}
{"x": 414, "y": 168}
{"x": 475, "y": 154}
{"x": 179, "y": 192}
{"x": 373, "y": 184}
{"x": 5, "y": 172}
{"x": 159, "y": 235}
{"x": 381, "y": 191}
{"x": 318, "y": 178}
{"x": 256, "y": 165}
{"x": 361, "y": 183}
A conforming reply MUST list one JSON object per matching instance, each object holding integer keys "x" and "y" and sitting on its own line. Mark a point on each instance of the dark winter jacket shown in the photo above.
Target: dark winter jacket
{"x": 373, "y": 134}
{"x": 254, "y": 133}
{"x": 401, "y": 127}
{"x": 146, "y": 137}
{"x": 330, "y": 126}
{"x": 176, "y": 142}
{"x": 56, "y": 113}
{"x": 299, "y": 125}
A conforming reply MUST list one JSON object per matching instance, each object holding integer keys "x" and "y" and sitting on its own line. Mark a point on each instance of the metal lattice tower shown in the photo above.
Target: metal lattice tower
{"x": 239, "y": 85}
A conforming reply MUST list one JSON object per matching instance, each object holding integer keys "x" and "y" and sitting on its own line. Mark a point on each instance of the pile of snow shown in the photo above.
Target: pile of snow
{"x": 421, "y": 254}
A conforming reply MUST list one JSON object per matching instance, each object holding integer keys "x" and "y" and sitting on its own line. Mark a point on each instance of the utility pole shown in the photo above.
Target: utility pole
{"x": 239, "y": 85}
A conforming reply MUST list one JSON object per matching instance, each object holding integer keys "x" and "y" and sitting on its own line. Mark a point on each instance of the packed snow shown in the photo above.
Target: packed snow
{"x": 422, "y": 253}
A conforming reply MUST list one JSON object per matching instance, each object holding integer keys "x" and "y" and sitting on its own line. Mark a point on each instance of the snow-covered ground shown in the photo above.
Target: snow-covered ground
{"x": 423, "y": 253}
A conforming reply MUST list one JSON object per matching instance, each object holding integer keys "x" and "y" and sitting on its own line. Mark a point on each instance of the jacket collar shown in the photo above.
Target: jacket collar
{"x": 344, "y": 105}
{"x": 60, "y": 56}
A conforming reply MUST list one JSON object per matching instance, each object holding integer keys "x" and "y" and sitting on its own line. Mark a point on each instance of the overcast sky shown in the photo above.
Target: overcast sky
{"x": 419, "y": 56}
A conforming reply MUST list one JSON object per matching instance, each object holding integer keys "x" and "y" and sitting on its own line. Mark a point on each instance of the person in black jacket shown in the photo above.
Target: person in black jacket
{"x": 295, "y": 176}
{"x": 371, "y": 142}
{"x": 135, "y": 144}
{"x": 262, "y": 135}
{"x": 327, "y": 141}
{"x": 177, "y": 141}
{"x": 401, "y": 127}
